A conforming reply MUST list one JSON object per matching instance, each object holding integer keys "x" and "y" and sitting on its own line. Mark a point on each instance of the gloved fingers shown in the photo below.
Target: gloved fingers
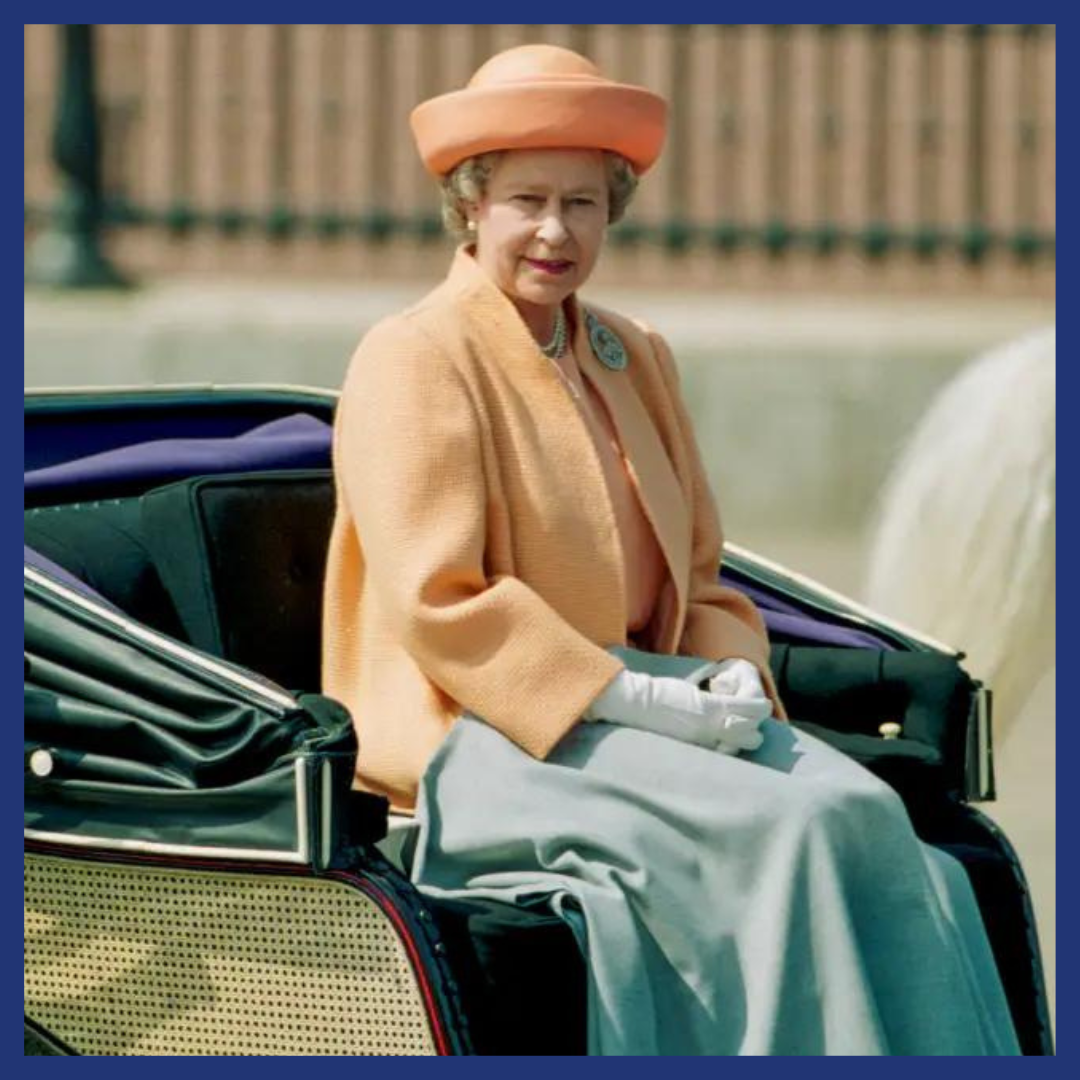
{"x": 671, "y": 707}
{"x": 681, "y": 695}
{"x": 742, "y": 732}
{"x": 735, "y": 722}
{"x": 749, "y": 708}
{"x": 738, "y": 736}
{"x": 744, "y": 740}
{"x": 725, "y": 682}
{"x": 744, "y": 691}
{"x": 737, "y": 678}
{"x": 750, "y": 684}
{"x": 729, "y": 673}
{"x": 684, "y": 712}
{"x": 679, "y": 710}
{"x": 739, "y": 741}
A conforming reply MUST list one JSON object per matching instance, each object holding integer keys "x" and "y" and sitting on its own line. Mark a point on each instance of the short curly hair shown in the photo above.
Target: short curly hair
{"x": 468, "y": 181}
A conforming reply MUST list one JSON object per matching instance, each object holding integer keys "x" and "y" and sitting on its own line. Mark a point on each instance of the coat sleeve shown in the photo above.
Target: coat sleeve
{"x": 721, "y": 622}
{"x": 408, "y": 453}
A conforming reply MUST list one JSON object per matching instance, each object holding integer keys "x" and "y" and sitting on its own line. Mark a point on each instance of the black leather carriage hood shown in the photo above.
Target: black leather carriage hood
{"x": 132, "y": 740}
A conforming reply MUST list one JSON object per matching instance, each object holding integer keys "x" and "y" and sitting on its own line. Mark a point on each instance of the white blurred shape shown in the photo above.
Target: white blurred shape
{"x": 963, "y": 546}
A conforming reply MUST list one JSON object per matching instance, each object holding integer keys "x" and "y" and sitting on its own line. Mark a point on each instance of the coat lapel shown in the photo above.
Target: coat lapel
{"x": 658, "y": 486}
{"x": 506, "y": 336}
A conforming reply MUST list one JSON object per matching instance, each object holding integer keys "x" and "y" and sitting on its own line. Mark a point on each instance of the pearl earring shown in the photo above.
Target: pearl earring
{"x": 471, "y": 226}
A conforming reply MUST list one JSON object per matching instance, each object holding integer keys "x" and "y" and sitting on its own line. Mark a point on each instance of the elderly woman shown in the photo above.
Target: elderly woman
{"x": 525, "y": 544}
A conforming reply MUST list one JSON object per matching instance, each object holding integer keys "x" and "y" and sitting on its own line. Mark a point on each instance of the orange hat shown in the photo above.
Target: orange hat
{"x": 539, "y": 97}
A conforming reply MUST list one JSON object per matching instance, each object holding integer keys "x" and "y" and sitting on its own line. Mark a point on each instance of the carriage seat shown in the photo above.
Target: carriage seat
{"x": 242, "y": 557}
{"x": 232, "y": 564}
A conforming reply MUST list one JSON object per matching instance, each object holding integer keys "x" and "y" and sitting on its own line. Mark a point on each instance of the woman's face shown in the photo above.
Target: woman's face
{"x": 540, "y": 224}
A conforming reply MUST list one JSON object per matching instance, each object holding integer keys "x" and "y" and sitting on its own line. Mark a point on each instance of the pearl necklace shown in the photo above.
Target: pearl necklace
{"x": 557, "y": 345}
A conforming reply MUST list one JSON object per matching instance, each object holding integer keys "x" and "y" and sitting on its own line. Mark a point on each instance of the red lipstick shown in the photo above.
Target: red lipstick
{"x": 550, "y": 266}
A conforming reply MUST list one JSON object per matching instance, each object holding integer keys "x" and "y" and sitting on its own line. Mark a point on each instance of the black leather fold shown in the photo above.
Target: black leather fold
{"x": 844, "y": 696}
{"x": 141, "y": 747}
{"x": 241, "y": 557}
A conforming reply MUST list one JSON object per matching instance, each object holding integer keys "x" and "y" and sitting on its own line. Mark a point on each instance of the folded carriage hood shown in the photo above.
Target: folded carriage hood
{"x": 135, "y": 742}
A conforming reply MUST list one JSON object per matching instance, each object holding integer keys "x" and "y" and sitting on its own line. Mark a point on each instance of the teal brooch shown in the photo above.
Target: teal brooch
{"x": 609, "y": 350}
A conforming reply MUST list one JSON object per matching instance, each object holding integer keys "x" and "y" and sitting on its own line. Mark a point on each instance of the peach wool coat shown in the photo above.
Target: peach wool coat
{"x": 474, "y": 564}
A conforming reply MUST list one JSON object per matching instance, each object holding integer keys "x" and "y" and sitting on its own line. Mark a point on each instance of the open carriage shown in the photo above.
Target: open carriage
{"x": 199, "y": 875}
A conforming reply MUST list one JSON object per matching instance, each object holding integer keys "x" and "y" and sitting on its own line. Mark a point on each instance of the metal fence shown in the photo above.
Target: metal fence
{"x": 896, "y": 156}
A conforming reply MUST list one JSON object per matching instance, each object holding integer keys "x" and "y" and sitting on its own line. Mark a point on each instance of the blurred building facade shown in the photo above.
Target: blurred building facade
{"x": 917, "y": 159}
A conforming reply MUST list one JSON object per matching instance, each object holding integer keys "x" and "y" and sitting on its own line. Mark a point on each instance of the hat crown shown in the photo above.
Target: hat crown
{"x": 539, "y": 97}
{"x": 527, "y": 63}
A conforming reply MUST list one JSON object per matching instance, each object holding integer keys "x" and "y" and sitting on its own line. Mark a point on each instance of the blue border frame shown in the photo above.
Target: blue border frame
{"x": 594, "y": 13}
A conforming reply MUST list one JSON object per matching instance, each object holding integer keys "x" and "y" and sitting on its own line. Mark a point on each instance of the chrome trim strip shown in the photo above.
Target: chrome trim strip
{"x": 153, "y": 847}
{"x": 326, "y": 825}
{"x": 150, "y": 847}
{"x": 144, "y": 634}
{"x": 858, "y": 612}
{"x": 162, "y": 389}
{"x": 300, "y": 777}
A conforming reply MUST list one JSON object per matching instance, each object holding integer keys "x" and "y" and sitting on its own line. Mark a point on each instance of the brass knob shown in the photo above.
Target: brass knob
{"x": 890, "y": 730}
{"x": 41, "y": 763}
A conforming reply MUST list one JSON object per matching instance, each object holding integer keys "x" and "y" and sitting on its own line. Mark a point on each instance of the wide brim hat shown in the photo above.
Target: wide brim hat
{"x": 535, "y": 97}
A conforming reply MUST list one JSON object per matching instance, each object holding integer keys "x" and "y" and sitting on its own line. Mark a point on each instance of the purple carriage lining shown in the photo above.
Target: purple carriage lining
{"x": 784, "y": 618}
{"x": 302, "y": 441}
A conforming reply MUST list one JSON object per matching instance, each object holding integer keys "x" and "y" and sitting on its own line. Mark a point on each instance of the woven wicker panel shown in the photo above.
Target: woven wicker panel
{"x": 138, "y": 960}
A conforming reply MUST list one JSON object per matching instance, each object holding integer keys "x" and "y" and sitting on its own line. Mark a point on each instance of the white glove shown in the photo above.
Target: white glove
{"x": 679, "y": 710}
{"x": 740, "y": 679}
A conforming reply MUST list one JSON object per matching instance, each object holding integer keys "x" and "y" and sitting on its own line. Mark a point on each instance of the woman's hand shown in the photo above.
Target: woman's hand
{"x": 739, "y": 679}
{"x": 679, "y": 710}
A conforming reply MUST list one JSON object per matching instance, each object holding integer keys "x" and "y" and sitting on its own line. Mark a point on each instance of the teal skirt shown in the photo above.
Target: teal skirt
{"x": 773, "y": 903}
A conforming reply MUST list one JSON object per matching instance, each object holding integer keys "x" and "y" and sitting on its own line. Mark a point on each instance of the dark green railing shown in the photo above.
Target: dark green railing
{"x": 73, "y": 224}
{"x": 67, "y": 252}
{"x": 778, "y": 238}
